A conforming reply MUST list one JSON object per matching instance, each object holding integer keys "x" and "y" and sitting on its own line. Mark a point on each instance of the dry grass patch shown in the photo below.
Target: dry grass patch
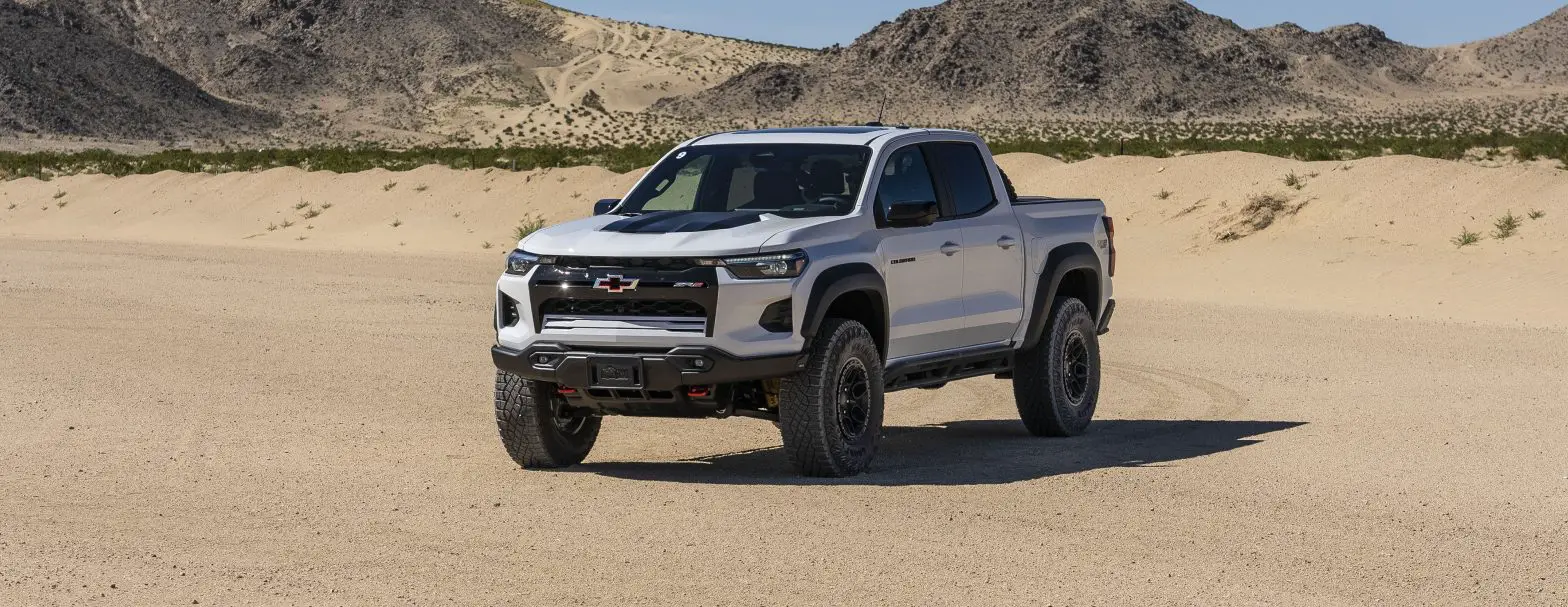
{"x": 1260, "y": 212}
{"x": 528, "y": 225}
{"x": 1506, "y": 227}
{"x": 1465, "y": 238}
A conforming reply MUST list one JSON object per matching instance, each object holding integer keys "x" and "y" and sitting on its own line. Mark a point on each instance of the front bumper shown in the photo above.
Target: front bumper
{"x": 662, "y": 369}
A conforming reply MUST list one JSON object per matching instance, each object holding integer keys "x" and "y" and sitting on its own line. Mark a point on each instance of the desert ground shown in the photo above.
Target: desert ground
{"x": 1311, "y": 397}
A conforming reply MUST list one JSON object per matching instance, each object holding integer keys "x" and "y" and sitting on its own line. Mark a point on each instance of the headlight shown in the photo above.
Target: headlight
{"x": 520, "y": 262}
{"x": 772, "y": 265}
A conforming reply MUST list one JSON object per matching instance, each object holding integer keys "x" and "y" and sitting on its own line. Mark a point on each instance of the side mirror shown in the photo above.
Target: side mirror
{"x": 911, "y": 214}
{"x": 605, "y": 206}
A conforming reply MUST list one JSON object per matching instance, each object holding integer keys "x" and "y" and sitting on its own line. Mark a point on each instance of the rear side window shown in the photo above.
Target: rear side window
{"x": 963, "y": 169}
{"x": 906, "y": 178}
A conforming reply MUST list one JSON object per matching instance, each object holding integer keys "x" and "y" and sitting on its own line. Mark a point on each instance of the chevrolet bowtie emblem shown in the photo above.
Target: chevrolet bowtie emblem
{"x": 616, "y": 283}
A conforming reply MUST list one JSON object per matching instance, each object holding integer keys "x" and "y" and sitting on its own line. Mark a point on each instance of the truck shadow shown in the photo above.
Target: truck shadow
{"x": 980, "y": 452}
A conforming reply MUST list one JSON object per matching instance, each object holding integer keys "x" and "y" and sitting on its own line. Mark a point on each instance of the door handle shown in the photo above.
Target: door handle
{"x": 950, "y": 249}
{"x": 1007, "y": 242}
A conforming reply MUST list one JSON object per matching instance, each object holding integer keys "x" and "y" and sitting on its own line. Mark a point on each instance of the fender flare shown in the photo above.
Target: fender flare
{"x": 1062, "y": 259}
{"x": 836, "y": 281}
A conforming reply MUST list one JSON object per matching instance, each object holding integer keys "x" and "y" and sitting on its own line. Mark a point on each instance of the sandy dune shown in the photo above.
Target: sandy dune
{"x": 619, "y": 70}
{"x": 631, "y": 65}
{"x": 1372, "y": 237}
{"x": 1339, "y": 409}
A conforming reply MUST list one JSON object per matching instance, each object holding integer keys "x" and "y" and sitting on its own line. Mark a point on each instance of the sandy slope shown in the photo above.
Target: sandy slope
{"x": 626, "y": 67}
{"x": 438, "y": 209}
{"x": 1372, "y": 237}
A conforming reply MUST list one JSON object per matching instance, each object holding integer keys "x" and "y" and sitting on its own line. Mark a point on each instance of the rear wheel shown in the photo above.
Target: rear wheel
{"x": 1056, "y": 384}
{"x": 830, "y": 414}
{"x": 537, "y": 428}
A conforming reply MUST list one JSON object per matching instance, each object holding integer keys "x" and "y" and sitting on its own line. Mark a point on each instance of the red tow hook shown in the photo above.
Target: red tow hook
{"x": 699, "y": 391}
{"x": 566, "y": 391}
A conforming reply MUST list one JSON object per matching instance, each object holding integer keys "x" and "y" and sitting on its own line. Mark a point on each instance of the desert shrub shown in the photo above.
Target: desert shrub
{"x": 1465, "y": 238}
{"x": 528, "y": 225}
{"x": 1505, "y": 227}
{"x": 1313, "y": 141}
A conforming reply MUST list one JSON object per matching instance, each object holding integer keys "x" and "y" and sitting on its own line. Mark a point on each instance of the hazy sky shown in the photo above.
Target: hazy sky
{"x": 817, "y": 23}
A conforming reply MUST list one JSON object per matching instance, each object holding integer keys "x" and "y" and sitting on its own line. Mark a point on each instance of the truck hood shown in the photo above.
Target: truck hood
{"x": 663, "y": 234}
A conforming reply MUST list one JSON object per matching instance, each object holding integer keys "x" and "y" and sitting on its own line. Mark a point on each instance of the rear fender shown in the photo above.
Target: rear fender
{"x": 1061, "y": 261}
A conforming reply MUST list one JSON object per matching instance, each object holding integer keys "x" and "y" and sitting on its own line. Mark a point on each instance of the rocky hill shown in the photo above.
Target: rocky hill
{"x": 393, "y": 71}
{"x": 509, "y": 72}
{"x": 1537, "y": 53}
{"x": 1348, "y": 60}
{"x": 58, "y": 76}
{"x": 1028, "y": 60}
{"x": 385, "y": 60}
{"x": 1012, "y": 58}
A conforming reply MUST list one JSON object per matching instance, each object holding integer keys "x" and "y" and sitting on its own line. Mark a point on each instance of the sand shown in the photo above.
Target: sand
{"x": 1334, "y": 410}
{"x": 1372, "y": 237}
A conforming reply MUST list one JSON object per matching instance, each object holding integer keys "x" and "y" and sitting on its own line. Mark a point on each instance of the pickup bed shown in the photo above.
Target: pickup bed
{"x": 799, "y": 275}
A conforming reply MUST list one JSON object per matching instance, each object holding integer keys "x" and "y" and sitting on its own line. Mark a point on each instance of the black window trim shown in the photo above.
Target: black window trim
{"x": 945, "y": 189}
{"x": 943, "y": 201}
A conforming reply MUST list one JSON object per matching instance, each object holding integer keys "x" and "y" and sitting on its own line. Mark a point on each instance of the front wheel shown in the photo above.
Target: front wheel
{"x": 1056, "y": 384}
{"x": 537, "y": 428}
{"x": 830, "y": 413}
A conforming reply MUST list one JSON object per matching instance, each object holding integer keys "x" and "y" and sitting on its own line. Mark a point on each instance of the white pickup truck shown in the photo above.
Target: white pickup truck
{"x": 798, "y": 275}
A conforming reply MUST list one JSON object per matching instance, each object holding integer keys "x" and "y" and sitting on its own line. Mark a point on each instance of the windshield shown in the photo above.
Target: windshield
{"x": 797, "y": 180}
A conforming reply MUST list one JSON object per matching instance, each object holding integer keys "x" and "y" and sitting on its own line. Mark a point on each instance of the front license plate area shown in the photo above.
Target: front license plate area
{"x": 620, "y": 373}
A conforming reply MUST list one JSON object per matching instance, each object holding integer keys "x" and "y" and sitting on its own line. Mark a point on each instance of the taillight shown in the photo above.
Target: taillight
{"x": 1110, "y": 240}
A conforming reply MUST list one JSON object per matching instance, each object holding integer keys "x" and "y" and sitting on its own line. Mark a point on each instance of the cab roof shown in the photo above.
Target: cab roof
{"x": 830, "y": 135}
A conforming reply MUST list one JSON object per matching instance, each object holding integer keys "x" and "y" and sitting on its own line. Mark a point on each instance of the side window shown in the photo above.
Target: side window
{"x": 905, "y": 178}
{"x": 963, "y": 169}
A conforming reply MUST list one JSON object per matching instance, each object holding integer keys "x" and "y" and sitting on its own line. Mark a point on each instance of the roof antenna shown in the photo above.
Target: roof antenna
{"x": 881, "y": 109}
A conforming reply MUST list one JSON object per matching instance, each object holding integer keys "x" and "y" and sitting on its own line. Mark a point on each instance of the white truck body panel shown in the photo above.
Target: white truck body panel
{"x": 952, "y": 285}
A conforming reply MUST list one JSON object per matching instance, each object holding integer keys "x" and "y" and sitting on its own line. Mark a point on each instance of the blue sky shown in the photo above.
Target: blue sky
{"x": 817, "y": 23}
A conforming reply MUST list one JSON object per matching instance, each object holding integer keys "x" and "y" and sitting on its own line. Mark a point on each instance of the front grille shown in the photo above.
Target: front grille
{"x": 623, "y": 307}
{"x": 665, "y": 264}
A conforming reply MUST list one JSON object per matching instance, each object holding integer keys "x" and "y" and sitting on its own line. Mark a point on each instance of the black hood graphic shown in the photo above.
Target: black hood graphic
{"x": 665, "y": 222}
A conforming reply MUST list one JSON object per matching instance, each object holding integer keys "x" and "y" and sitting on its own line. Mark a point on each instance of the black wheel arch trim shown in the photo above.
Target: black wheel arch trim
{"x": 1062, "y": 259}
{"x": 837, "y": 281}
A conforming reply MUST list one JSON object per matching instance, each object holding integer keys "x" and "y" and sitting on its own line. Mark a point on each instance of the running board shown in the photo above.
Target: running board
{"x": 942, "y": 368}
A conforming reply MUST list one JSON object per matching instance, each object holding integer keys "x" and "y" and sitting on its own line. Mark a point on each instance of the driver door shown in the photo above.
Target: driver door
{"x": 923, "y": 265}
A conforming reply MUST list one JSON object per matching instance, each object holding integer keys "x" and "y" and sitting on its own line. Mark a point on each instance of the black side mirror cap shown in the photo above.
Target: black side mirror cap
{"x": 605, "y": 206}
{"x": 912, "y": 214}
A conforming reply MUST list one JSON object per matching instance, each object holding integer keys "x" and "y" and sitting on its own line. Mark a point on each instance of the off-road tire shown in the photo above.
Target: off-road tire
{"x": 830, "y": 427}
{"x": 1057, "y": 382}
{"x": 525, "y": 411}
